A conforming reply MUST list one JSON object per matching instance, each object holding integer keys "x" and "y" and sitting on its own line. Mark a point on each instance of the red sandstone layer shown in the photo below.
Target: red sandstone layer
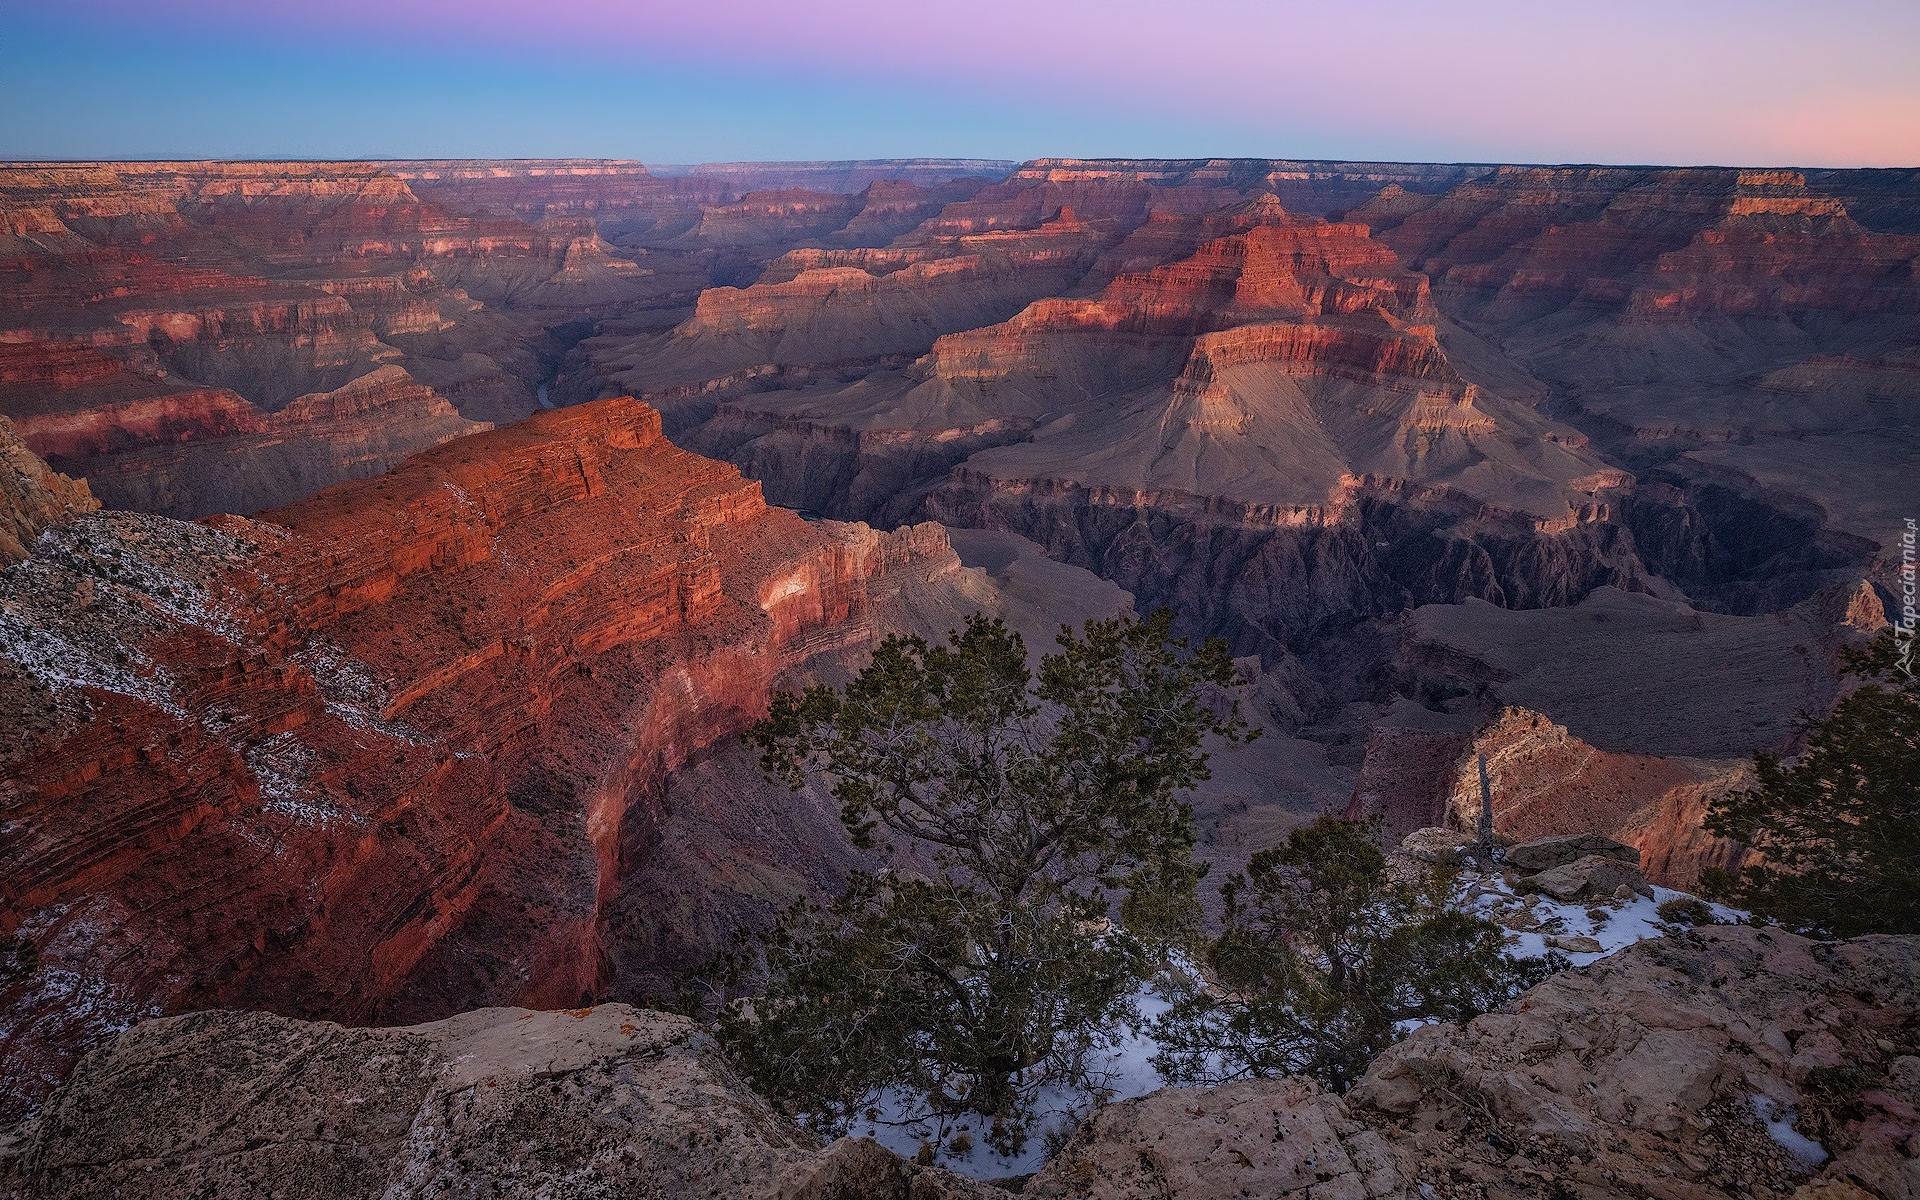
{"x": 132, "y": 290}
{"x": 279, "y": 762}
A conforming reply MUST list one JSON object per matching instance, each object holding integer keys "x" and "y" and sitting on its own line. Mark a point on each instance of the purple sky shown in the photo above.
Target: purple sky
{"x": 1755, "y": 82}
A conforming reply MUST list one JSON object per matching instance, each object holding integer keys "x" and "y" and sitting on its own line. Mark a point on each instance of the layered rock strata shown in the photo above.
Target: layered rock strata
{"x": 1710, "y": 327}
{"x": 187, "y": 452}
{"x": 386, "y": 752}
{"x": 1423, "y": 770}
{"x": 1593, "y": 717}
{"x": 1260, "y": 385}
{"x": 162, "y": 317}
{"x": 32, "y": 496}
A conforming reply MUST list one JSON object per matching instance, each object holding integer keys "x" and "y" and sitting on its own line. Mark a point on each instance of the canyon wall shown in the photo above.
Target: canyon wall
{"x": 160, "y": 318}
{"x": 32, "y": 497}
{"x": 218, "y": 336}
{"x": 1517, "y": 387}
{"x": 387, "y": 751}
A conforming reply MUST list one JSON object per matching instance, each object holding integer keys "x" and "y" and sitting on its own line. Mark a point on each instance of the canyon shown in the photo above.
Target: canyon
{"x": 403, "y": 748}
{"x": 390, "y": 553}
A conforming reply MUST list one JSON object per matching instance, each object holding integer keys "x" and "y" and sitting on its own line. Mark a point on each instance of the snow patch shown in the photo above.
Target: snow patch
{"x": 1613, "y": 924}
{"x": 900, "y": 1120}
{"x": 282, "y": 765}
{"x": 1779, "y": 1122}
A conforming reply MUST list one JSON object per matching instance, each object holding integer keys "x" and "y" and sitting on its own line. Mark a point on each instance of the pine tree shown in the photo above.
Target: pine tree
{"x": 1838, "y": 829}
{"x": 1020, "y": 814}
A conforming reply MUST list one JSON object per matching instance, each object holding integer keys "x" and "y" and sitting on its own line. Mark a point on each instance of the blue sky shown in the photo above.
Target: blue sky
{"x": 1489, "y": 80}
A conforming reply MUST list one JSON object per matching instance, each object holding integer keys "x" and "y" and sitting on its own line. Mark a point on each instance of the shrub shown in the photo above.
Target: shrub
{"x": 1685, "y": 910}
{"x": 1323, "y": 959}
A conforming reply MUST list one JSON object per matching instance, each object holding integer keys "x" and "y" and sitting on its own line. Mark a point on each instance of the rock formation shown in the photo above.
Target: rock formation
{"x": 190, "y": 451}
{"x": 162, "y": 317}
{"x": 1422, "y": 769}
{"x": 1592, "y": 717}
{"x": 1724, "y": 1062}
{"x": 1672, "y": 312}
{"x": 386, "y": 752}
{"x": 510, "y": 1102}
{"x": 32, "y": 497}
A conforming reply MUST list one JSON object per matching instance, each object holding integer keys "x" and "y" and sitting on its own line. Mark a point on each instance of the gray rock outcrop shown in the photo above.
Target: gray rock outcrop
{"x": 1543, "y": 854}
{"x": 601, "y": 1102}
{"x": 1723, "y": 1063}
{"x": 1594, "y": 877}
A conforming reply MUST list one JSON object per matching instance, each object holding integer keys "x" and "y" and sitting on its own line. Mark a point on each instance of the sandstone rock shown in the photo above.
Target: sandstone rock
{"x": 1542, "y": 853}
{"x": 1653, "y": 1053}
{"x": 1591, "y": 877}
{"x": 32, "y": 496}
{"x": 1255, "y": 1138}
{"x": 503, "y": 1102}
{"x": 1632, "y": 1077}
{"x": 1436, "y": 845}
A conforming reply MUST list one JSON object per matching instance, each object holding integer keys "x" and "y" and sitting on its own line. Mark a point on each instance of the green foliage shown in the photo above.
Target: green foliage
{"x": 1019, "y": 812}
{"x": 1839, "y": 828}
{"x": 1323, "y": 954}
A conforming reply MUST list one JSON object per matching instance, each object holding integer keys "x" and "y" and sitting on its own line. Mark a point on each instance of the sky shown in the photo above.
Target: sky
{"x": 1751, "y": 83}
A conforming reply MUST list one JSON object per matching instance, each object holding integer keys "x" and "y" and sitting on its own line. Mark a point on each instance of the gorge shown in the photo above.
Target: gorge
{"x": 392, "y": 552}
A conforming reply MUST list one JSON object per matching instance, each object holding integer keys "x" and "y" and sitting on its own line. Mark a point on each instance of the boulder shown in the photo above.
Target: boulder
{"x": 1251, "y": 1138}
{"x": 1591, "y": 878}
{"x": 1543, "y": 854}
{"x": 1436, "y": 845}
{"x": 1640, "y": 1075}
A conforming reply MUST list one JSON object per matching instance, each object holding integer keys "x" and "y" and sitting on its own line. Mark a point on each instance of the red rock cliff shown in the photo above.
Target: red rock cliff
{"x": 414, "y": 723}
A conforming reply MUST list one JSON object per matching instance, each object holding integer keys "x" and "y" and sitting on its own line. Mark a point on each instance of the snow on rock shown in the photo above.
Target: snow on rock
{"x": 901, "y": 1121}
{"x": 1634, "y": 1076}
{"x": 1581, "y": 932}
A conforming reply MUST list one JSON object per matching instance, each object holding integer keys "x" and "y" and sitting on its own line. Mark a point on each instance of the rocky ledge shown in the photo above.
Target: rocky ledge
{"x": 608, "y": 1101}
{"x": 1723, "y": 1062}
